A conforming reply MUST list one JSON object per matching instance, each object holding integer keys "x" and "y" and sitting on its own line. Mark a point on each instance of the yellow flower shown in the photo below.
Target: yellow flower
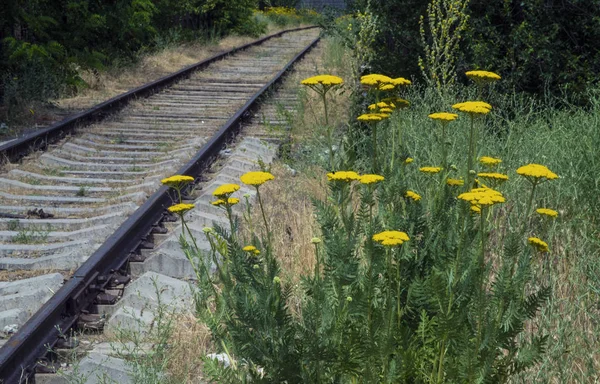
{"x": 370, "y": 117}
{"x": 409, "y": 160}
{"x": 324, "y": 80}
{"x": 230, "y": 201}
{"x": 177, "y": 181}
{"x": 376, "y": 80}
{"x": 249, "y": 248}
{"x": 386, "y": 87}
{"x": 536, "y": 172}
{"x": 538, "y": 244}
{"x": 391, "y": 238}
{"x": 381, "y": 104}
{"x": 483, "y": 76}
{"x": 547, "y": 212}
{"x": 455, "y": 182}
{"x": 489, "y": 161}
{"x": 396, "y": 102}
{"x": 413, "y": 195}
{"x": 180, "y": 209}
{"x": 475, "y": 209}
{"x": 482, "y": 196}
{"x": 371, "y": 179}
{"x": 386, "y": 110}
{"x": 473, "y": 107}
{"x": 430, "y": 169}
{"x": 493, "y": 176}
{"x": 225, "y": 190}
{"x": 444, "y": 117}
{"x": 343, "y": 176}
{"x": 256, "y": 178}
{"x": 401, "y": 81}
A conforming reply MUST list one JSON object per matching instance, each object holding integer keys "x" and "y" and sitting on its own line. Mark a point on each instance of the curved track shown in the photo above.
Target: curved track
{"x": 73, "y": 217}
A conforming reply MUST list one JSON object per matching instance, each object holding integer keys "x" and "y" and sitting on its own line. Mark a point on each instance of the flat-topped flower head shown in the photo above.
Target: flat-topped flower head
{"x": 399, "y": 81}
{"x": 482, "y": 197}
{"x": 475, "y": 209}
{"x": 180, "y": 209}
{"x": 346, "y": 176}
{"x": 390, "y": 238}
{"x": 493, "y": 176}
{"x": 225, "y": 190}
{"x": 229, "y": 201}
{"x": 386, "y": 110}
{"x": 547, "y": 212}
{"x": 376, "y": 81}
{"x": 177, "y": 181}
{"x": 370, "y": 117}
{"x": 381, "y": 104}
{"x": 444, "y": 117}
{"x": 256, "y": 178}
{"x": 397, "y": 102}
{"x": 249, "y": 248}
{"x": 538, "y": 244}
{"x": 371, "y": 179}
{"x": 409, "y": 160}
{"x": 324, "y": 80}
{"x": 473, "y": 107}
{"x": 386, "y": 87}
{"x": 430, "y": 169}
{"x": 489, "y": 161}
{"x": 455, "y": 182}
{"x": 413, "y": 195}
{"x": 483, "y": 76}
{"x": 536, "y": 173}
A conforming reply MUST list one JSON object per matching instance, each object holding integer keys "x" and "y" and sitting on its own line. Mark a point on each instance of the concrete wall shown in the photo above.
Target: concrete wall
{"x": 319, "y": 4}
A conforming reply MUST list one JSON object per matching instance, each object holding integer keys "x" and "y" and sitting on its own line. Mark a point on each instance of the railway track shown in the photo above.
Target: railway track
{"x": 79, "y": 219}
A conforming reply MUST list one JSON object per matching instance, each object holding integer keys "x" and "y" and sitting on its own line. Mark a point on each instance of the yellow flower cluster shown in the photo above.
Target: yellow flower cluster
{"x": 324, "y": 80}
{"x": 489, "y": 161}
{"x": 547, "y": 212}
{"x": 180, "y": 209}
{"x": 473, "y": 107}
{"x": 493, "y": 176}
{"x": 391, "y": 238}
{"x": 537, "y": 171}
{"x": 370, "y": 179}
{"x": 430, "y": 169}
{"x": 482, "y": 197}
{"x": 343, "y": 176}
{"x": 483, "y": 76}
{"x": 256, "y": 178}
{"x": 443, "y": 116}
{"x": 538, "y": 244}
{"x": 409, "y": 160}
{"x": 397, "y": 102}
{"x": 401, "y": 81}
{"x": 455, "y": 182}
{"x": 413, "y": 195}
{"x": 382, "y": 82}
{"x": 381, "y": 104}
{"x": 177, "y": 181}
{"x": 229, "y": 201}
{"x": 225, "y": 190}
{"x": 281, "y": 11}
{"x": 372, "y": 117}
{"x": 252, "y": 249}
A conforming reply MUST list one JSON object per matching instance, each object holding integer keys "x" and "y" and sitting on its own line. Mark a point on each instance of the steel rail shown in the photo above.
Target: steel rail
{"x": 14, "y": 150}
{"x": 19, "y": 356}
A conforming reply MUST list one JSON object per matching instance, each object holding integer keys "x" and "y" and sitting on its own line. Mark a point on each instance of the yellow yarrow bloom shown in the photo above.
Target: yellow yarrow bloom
{"x": 444, "y": 117}
{"x": 370, "y": 117}
{"x": 229, "y": 201}
{"x": 370, "y": 179}
{"x": 386, "y": 110}
{"x": 493, "y": 176}
{"x": 180, "y": 209}
{"x": 475, "y": 209}
{"x": 343, "y": 176}
{"x": 401, "y": 81}
{"x": 455, "y": 182}
{"x": 377, "y": 81}
{"x": 390, "y": 238}
{"x": 386, "y": 87}
{"x": 409, "y": 160}
{"x": 430, "y": 169}
{"x": 249, "y": 248}
{"x": 226, "y": 190}
{"x": 536, "y": 173}
{"x": 473, "y": 107}
{"x": 324, "y": 80}
{"x": 489, "y": 161}
{"x": 482, "y": 196}
{"x": 413, "y": 195}
{"x": 547, "y": 212}
{"x": 396, "y": 102}
{"x": 177, "y": 181}
{"x": 256, "y": 178}
{"x": 538, "y": 244}
{"x": 483, "y": 76}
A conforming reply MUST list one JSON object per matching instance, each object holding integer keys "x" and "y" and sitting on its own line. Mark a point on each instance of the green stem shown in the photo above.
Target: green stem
{"x": 262, "y": 210}
{"x": 329, "y": 131}
{"x": 444, "y": 149}
{"x": 471, "y": 154}
{"x": 375, "y": 148}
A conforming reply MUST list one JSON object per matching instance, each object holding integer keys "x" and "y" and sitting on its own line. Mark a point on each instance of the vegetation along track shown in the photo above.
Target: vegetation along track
{"x": 69, "y": 216}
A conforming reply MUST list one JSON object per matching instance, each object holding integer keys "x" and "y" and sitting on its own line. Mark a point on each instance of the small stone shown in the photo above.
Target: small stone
{"x": 10, "y": 329}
